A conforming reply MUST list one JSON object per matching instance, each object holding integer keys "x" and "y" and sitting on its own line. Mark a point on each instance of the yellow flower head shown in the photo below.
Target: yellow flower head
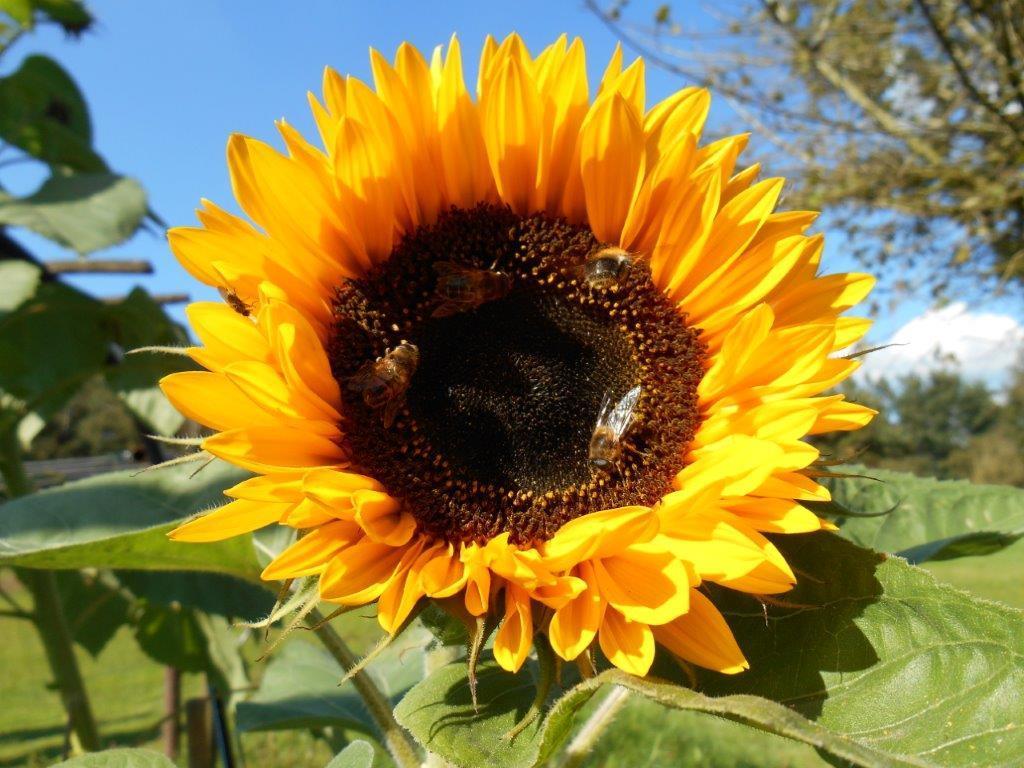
{"x": 539, "y": 353}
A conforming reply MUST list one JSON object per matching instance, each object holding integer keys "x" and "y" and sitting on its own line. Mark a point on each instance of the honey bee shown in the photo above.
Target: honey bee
{"x": 613, "y": 421}
{"x": 234, "y": 301}
{"x": 383, "y": 382}
{"x": 462, "y": 289}
{"x": 606, "y": 267}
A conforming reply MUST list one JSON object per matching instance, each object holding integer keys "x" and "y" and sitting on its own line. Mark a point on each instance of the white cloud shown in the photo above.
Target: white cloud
{"x": 979, "y": 345}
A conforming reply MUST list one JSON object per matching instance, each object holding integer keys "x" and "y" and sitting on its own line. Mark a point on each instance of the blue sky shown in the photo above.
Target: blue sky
{"x": 167, "y": 82}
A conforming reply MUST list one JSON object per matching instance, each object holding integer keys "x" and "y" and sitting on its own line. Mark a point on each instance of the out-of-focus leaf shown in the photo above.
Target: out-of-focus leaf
{"x": 171, "y": 635}
{"x": 18, "y": 283}
{"x": 930, "y": 519}
{"x": 358, "y": 754}
{"x": 84, "y": 212}
{"x": 300, "y": 690}
{"x": 19, "y": 10}
{"x": 869, "y": 660}
{"x": 120, "y": 521}
{"x": 210, "y": 593}
{"x": 118, "y": 758}
{"x": 72, "y": 15}
{"x": 43, "y": 113}
{"x": 94, "y": 607}
{"x": 226, "y": 666}
{"x": 36, "y": 358}
{"x": 138, "y": 321}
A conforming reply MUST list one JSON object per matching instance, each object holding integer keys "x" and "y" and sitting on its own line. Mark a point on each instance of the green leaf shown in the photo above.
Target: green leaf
{"x": 300, "y": 690}
{"x": 170, "y": 635}
{"x": 645, "y": 734}
{"x": 94, "y": 608}
{"x": 439, "y": 712}
{"x": 869, "y": 660}
{"x": 70, "y": 14}
{"x": 84, "y": 212}
{"x": 210, "y": 593}
{"x": 19, "y": 10}
{"x": 120, "y": 520}
{"x": 358, "y": 754}
{"x": 36, "y": 360}
{"x": 226, "y": 666}
{"x": 118, "y": 758}
{"x": 43, "y": 113}
{"x": 18, "y": 283}
{"x": 135, "y": 322}
{"x": 931, "y": 519}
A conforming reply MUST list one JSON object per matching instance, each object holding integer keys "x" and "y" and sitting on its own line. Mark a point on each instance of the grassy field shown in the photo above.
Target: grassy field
{"x": 127, "y": 688}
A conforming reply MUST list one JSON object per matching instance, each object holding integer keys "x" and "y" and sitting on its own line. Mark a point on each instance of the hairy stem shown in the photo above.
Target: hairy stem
{"x": 48, "y": 615}
{"x": 397, "y": 740}
{"x": 580, "y": 746}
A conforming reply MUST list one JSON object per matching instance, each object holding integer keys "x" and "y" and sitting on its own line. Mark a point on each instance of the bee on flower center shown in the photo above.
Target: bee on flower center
{"x": 613, "y": 421}
{"x": 607, "y": 266}
{"x": 462, "y": 289}
{"x": 383, "y": 382}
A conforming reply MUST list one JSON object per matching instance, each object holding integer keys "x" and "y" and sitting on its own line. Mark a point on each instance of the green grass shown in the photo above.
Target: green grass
{"x": 126, "y": 689}
{"x": 999, "y": 576}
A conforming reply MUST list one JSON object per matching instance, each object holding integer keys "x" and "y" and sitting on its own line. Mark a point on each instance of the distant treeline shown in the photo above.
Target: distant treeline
{"x": 939, "y": 425}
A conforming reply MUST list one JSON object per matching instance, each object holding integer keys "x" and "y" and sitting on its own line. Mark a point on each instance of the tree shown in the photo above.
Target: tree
{"x": 902, "y": 119}
{"x": 941, "y": 426}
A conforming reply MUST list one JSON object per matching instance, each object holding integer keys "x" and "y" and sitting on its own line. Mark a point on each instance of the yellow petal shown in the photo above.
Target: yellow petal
{"x": 311, "y": 552}
{"x": 629, "y": 645}
{"x": 383, "y": 518}
{"x": 599, "y": 534}
{"x": 574, "y": 625}
{"x": 611, "y": 164}
{"x": 646, "y": 586}
{"x": 702, "y": 637}
{"x": 515, "y": 636}
{"x": 237, "y": 517}
{"x": 359, "y": 573}
{"x": 213, "y": 400}
{"x": 272, "y": 449}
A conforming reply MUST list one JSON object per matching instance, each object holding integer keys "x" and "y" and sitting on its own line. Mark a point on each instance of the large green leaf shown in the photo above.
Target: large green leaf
{"x": 870, "y": 660}
{"x": 119, "y": 758}
{"x": 84, "y": 212}
{"x": 120, "y": 520}
{"x": 930, "y": 519}
{"x": 43, "y": 113}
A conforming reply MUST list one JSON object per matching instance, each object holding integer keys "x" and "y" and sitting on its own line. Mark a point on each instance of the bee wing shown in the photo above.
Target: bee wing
{"x": 621, "y": 415}
{"x": 361, "y": 379}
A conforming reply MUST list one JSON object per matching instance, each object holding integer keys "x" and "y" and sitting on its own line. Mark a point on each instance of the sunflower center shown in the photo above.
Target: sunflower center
{"x": 546, "y": 383}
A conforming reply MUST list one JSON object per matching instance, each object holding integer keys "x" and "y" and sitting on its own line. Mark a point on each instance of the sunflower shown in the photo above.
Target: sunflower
{"x": 546, "y": 360}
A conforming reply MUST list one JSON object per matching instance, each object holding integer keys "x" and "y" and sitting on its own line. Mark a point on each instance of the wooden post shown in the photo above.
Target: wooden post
{"x": 172, "y": 712}
{"x": 199, "y": 727}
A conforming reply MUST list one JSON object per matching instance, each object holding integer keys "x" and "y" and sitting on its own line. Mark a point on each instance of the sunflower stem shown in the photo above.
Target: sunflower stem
{"x": 579, "y": 748}
{"x": 397, "y": 740}
{"x": 48, "y": 615}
